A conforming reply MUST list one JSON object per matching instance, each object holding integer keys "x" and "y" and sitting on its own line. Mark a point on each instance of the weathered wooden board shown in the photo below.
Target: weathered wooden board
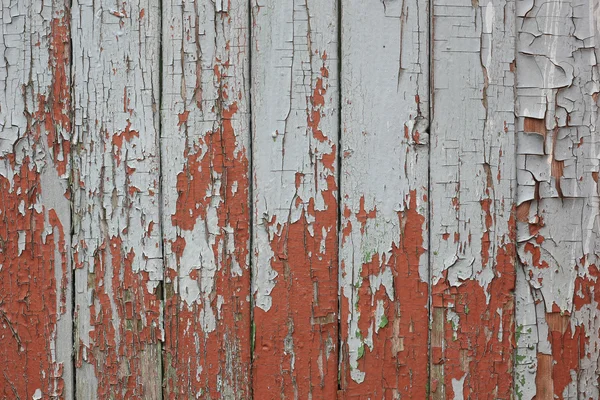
{"x": 295, "y": 208}
{"x": 116, "y": 221}
{"x": 558, "y": 324}
{"x": 205, "y": 139}
{"x": 473, "y": 185}
{"x": 35, "y": 220}
{"x": 384, "y": 160}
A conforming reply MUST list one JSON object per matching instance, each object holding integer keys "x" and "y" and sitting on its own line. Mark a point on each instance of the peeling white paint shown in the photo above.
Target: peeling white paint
{"x": 457, "y": 388}
{"x": 287, "y": 62}
{"x": 557, "y": 81}
{"x": 22, "y": 241}
{"x": 115, "y": 68}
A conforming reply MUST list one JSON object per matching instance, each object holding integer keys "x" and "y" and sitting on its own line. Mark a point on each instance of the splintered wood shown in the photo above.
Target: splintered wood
{"x": 299, "y": 199}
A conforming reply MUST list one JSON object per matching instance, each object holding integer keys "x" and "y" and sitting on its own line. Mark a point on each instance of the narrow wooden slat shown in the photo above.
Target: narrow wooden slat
{"x": 295, "y": 143}
{"x": 117, "y": 247}
{"x": 35, "y": 267}
{"x": 558, "y": 330}
{"x": 384, "y": 274}
{"x": 205, "y": 141}
{"x": 472, "y": 190}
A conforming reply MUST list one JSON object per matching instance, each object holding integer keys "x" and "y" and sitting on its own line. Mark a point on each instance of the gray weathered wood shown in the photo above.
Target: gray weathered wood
{"x": 117, "y": 245}
{"x": 558, "y": 329}
{"x": 205, "y": 138}
{"x": 295, "y": 143}
{"x": 472, "y": 198}
{"x": 383, "y": 261}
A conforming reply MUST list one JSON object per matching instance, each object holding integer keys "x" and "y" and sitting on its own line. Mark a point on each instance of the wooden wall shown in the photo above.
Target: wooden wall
{"x": 299, "y": 199}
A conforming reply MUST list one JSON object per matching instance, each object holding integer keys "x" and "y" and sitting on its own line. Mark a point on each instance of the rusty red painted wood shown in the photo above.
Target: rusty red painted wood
{"x": 116, "y": 212}
{"x": 384, "y": 239}
{"x": 558, "y": 333}
{"x": 198, "y": 199}
{"x": 295, "y": 142}
{"x": 35, "y": 267}
{"x": 206, "y": 178}
{"x": 473, "y": 188}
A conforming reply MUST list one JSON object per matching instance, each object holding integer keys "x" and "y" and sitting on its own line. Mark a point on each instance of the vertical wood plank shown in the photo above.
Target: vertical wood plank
{"x": 295, "y": 143}
{"x": 117, "y": 247}
{"x": 558, "y": 330}
{"x": 35, "y": 233}
{"x": 473, "y": 184}
{"x": 205, "y": 141}
{"x": 384, "y": 239}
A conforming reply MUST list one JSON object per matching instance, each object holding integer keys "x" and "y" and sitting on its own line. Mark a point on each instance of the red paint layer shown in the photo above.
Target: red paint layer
{"x": 396, "y": 367}
{"x": 296, "y": 340}
{"x": 28, "y": 289}
{"x": 296, "y": 353}
{"x": 218, "y": 362}
{"x": 479, "y": 347}
{"x": 125, "y": 324}
{"x": 32, "y": 238}
{"x": 572, "y": 349}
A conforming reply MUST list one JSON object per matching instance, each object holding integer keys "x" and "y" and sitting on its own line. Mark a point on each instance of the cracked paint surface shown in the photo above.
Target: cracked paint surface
{"x": 384, "y": 240}
{"x": 295, "y": 142}
{"x": 382, "y": 261}
{"x": 35, "y": 268}
{"x": 473, "y": 183}
{"x": 205, "y": 143}
{"x": 558, "y": 334}
{"x": 117, "y": 247}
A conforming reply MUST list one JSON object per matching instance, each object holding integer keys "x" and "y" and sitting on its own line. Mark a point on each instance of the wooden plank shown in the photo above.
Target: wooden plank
{"x": 117, "y": 246}
{"x": 295, "y": 140}
{"x": 205, "y": 141}
{"x": 558, "y": 331}
{"x": 384, "y": 273}
{"x": 35, "y": 267}
{"x": 473, "y": 185}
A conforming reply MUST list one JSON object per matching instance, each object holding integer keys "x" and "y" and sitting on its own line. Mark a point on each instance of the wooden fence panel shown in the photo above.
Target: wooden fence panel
{"x": 205, "y": 142}
{"x": 384, "y": 161}
{"x": 558, "y": 329}
{"x": 295, "y": 207}
{"x": 472, "y": 199}
{"x": 35, "y": 218}
{"x": 116, "y": 219}
{"x": 234, "y": 199}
